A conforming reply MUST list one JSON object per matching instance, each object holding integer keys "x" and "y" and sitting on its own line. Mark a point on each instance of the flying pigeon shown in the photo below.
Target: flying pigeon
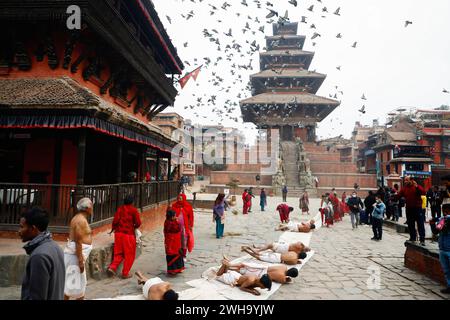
{"x": 407, "y": 23}
{"x": 363, "y": 110}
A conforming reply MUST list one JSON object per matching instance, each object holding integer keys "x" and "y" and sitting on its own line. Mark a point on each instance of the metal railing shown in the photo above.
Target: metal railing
{"x": 60, "y": 200}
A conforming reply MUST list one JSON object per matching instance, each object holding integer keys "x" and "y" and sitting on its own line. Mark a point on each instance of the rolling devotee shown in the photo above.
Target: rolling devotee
{"x": 185, "y": 215}
{"x": 303, "y": 227}
{"x": 77, "y": 251}
{"x": 284, "y": 210}
{"x": 44, "y": 272}
{"x": 155, "y": 288}
{"x": 173, "y": 244}
{"x": 289, "y": 258}
{"x": 126, "y": 221}
{"x": 280, "y": 247}
{"x": 247, "y": 283}
{"x": 278, "y": 273}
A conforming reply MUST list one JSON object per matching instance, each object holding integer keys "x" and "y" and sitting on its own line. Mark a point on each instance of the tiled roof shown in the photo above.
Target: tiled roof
{"x": 294, "y": 73}
{"x": 289, "y": 98}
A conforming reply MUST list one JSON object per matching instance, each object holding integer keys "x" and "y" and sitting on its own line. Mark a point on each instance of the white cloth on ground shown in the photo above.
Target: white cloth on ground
{"x": 148, "y": 284}
{"x": 292, "y": 226}
{"x": 271, "y": 257}
{"x": 75, "y": 283}
{"x": 280, "y": 247}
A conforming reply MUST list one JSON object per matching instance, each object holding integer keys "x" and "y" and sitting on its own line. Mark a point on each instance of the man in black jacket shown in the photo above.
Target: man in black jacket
{"x": 356, "y": 205}
{"x": 369, "y": 201}
{"x": 45, "y": 272}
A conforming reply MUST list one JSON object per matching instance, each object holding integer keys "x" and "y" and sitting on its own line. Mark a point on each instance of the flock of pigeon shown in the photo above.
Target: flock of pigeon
{"x": 230, "y": 51}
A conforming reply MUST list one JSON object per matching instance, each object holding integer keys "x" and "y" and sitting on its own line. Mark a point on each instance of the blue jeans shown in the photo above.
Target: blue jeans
{"x": 444, "y": 258}
{"x": 219, "y": 228}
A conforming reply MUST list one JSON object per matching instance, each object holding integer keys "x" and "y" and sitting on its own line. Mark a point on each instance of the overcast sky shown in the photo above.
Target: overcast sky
{"x": 392, "y": 65}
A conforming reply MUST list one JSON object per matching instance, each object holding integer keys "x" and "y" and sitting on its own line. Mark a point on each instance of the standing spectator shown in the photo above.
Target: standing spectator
{"x": 356, "y": 205}
{"x": 284, "y": 192}
{"x": 185, "y": 215}
{"x": 304, "y": 203}
{"x": 387, "y": 203}
{"x": 250, "y": 192}
{"x": 78, "y": 250}
{"x": 336, "y": 209}
{"x": 368, "y": 204}
{"x": 394, "y": 203}
{"x": 173, "y": 243}
{"x": 424, "y": 206}
{"x": 247, "y": 201}
{"x": 412, "y": 193}
{"x": 435, "y": 199}
{"x": 327, "y": 211}
{"x": 263, "y": 199}
{"x": 356, "y": 186}
{"x": 441, "y": 227}
{"x": 379, "y": 209}
{"x": 284, "y": 210}
{"x": 316, "y": 180}
{"x": 345, "y": 207}
{"x": 44, "y": 272}
{"x": 219, "y": 215}
{"x": 126, "y": 221}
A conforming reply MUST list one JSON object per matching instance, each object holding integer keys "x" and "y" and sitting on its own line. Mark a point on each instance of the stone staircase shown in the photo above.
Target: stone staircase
{"x": 290, "y": 166}
{"x": 326, "y": 165}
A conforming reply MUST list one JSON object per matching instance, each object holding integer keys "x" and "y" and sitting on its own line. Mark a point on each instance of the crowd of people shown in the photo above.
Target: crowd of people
{"x": 55, "y": 274}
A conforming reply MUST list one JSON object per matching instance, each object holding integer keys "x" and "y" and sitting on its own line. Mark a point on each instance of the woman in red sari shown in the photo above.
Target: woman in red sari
{"x": 172, "y": 243}
{"x": 345, "y": 208}
{"x": 185, "y": 215}
{"x": 336, "y": 208}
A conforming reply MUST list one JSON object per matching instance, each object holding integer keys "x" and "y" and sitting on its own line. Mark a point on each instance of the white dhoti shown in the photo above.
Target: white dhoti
{"x": 231, "y": 278}
{"x": 75, "y": 284}
{"x": 253, "y": 269}
{"x": 292, "y": 226}
{"x": 148, "y": 284}
{"x": 280, "y": 247}
{"x": 270, "y": 257}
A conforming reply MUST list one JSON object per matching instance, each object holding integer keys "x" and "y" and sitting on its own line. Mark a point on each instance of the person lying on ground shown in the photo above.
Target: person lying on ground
{"x": 304, "y": 227}
{"x": 279, "y": 273}
{"x": 155, "y": 288}
{"x": 289, "y": 258}
{"x": 281, "y": 247}
{"x": 246, "y": 283}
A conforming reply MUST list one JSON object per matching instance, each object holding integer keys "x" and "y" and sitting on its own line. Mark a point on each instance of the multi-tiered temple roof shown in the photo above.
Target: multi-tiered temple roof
{"x": 284, "y": 92}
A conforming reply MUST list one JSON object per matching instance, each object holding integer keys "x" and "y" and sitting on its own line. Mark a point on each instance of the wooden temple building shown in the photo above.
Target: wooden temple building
{"x": 76, "y": 109}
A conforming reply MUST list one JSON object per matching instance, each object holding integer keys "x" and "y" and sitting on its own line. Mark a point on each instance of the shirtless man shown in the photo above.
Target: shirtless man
{"x": 155, "y": 288}
{"x": 77, "y": 251}
{"x": 280, "y": 247}
{"x": 279, "y": 273}
{"x": 289, "y": 258}
{"x": 247, "y": 283}
{"x": 304, "y": 227}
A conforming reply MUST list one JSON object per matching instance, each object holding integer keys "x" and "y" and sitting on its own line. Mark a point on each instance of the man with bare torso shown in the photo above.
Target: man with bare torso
{"x": 278, "y": 273}
{"x": 77, "y": 251}
{"x": 281, "y": 247}
{"x": 304, "y": 227}
{"x": 247, "y": 283}
{"x": 289, "y": 258}
{"x": 155, "y": 288}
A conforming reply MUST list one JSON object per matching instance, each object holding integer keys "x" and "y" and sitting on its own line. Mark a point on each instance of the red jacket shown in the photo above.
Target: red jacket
{"x": 412, "y": 196}
{"x": 126, "y": 220}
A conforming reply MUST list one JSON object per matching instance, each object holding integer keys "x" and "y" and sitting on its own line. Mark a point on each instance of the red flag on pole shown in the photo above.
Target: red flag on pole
{"x": 184, "y": 80}
{"x": 196, "y": 72}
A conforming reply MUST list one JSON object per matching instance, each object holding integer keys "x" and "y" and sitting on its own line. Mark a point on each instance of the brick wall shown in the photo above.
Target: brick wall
{"x": 424, "y": 261}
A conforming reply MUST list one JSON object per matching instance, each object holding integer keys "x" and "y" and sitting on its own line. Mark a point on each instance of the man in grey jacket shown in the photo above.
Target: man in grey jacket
{"x": 45, "y": 271}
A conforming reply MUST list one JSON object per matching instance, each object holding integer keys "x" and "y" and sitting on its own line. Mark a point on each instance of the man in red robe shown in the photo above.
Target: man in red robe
{"x": 185, "y": 214}
{"x": 284, "y": 210}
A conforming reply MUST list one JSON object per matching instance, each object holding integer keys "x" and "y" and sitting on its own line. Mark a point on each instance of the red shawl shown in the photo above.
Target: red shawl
{"x": 172, "y": 237}
{"x": 182, "y": 206}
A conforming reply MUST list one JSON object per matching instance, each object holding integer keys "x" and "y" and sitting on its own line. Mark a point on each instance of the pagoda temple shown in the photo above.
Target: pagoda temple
{"x": 284, "y": 92}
